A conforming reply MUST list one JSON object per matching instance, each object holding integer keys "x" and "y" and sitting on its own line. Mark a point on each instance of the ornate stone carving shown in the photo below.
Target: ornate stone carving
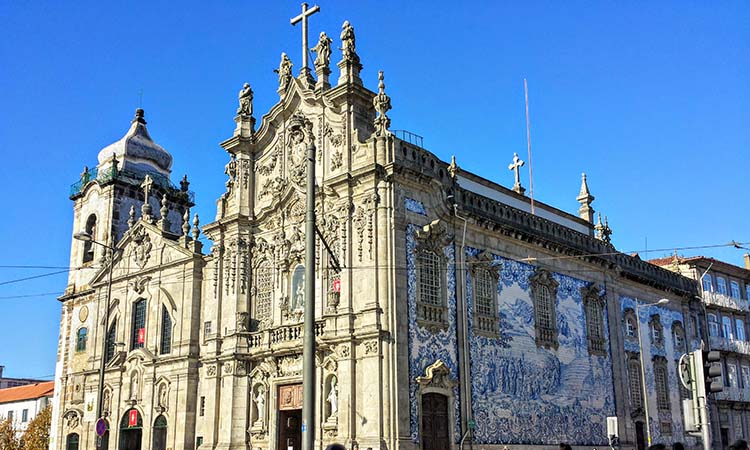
{"x": 300, "y": 137}
{"x": 228, "y": 368}
{"x": 139, "y": 284}
{"x": 437, "y": 376}
{"x": 72, "y": 419}
{"x": 271, "y": 164}
{"x": 289, "y": 365}
{"x": 242, "y": 321}
{"x": 211, "y": 370}
{"x": 344, "y": 350}
{"x": 434, "y": 235}
{"x": 348, "y": 43}
{"x": 364, "y": 222}
{"x": 371, "y": 347}
{"x": 382, "y": 104}
{"x": 337, "y": 160}
{"x": 240, "y": 368}
{"x": 246, "y": 101}
{"x": 273, "y": 187}
{"x": 322, "y": 51}
{"x": 284, "y": 71}
{"x": 142, "y": 249}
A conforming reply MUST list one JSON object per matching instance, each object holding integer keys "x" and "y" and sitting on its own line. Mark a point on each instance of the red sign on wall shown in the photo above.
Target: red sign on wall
{"x": 337, "y": 285}
{"x": 133, "y": 418}
{"x": 141, "y": 335}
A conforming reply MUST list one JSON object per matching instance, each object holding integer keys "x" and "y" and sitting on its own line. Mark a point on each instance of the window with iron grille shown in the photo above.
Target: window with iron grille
{"x": 139, "y": 325}
{"x": 662, "y": 384}
{"x": 634, "y": 383}
{"x": 264, "y": 290}
{"x": 484, "y": 302}
{"x": 544, "y": 293}
{"x": 81, "y": 337}
{"x": 631, "y": 325}
{"x": 111, "y": 335}
{"x": 431, "y": 305}
{"x": 595, "y": 327}
{"x": 166, "y": 332}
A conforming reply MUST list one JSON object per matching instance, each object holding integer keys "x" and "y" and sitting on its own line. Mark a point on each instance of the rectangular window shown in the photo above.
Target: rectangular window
{"x": 666, "y": 428}
{"x": 10, "y": 416}
{"x": 264, "y": 285}
{"x": 202, "y": 411}
{"x": 747, "y": 291}
{"x": 198, "y": 442}
{"x": 694, "y": 320}
{"x": 138, "y": 338}
{"x": 726, "y": 324}
{"x": 746, "y": 377}
{"x": 662, "y": 385}
{"x": 739, "y": 325}
{"x": 735, "y": 289}
{"x": 206, "y": 330}
{"x": 166, "y": 331}
{"x": 713, "y": 325}
{"x": 721, "y": 285}
{"x": 732, "y": 372}
{"x": 25, "y": 415}
{"x": 707, "y": 286}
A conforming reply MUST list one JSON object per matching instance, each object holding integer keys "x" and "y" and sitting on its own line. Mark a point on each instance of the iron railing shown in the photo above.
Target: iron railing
{"x": 409, "y": 137}
{"x": 134, "y": 177}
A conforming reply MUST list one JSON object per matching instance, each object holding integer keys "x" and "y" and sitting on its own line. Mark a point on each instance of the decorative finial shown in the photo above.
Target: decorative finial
{"x": 186, "y": 223}
{"x": 131, "y": 218}
{"x": 453, "y": 167}
{"x": 382, "y": 105}
{"x": 585, "y": 212}
{"x": 284, "y": 71}
{"x": 196, "y": 230}
{"x": 146, "y": 208}
{"x": 139, "y": 116}
{"x": 607, "y": 231}
{"x": 184, "y": 184}
{"x": 246, "y": 101}
{"x": 516, "y": 167}
{"x": 163, "y": 211}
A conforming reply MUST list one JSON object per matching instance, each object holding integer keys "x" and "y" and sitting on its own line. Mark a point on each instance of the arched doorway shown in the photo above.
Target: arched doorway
{"x": 131, "y": 430}
{"x": 159, "y": 440}
{"x": 640, "y": 438}
{"x": 435, "y": 422}
{"x": 71, "y": 442}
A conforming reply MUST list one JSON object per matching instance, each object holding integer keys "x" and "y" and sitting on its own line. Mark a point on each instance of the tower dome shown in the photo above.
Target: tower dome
{"x": 136, "y": 151}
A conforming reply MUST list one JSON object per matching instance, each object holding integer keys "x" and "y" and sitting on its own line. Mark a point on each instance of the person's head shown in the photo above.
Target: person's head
{"x": 564, "y": 446}
{"x": 335, "y": 447}
{"x": 678, "y": 446}
{"x": 739, "y": 444}
{"x": 657, "y": 447}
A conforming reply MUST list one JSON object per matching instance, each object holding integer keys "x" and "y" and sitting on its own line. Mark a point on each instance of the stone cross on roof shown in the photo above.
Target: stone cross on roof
{"x": 516, "y": 166}
{"x": 146, "y": 208}
{"x": 306, "y": 13}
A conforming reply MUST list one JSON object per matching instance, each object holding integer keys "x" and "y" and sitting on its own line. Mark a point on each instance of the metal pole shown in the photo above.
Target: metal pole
{"x": 308, "y": 352}
{"x": 643, "y": 375}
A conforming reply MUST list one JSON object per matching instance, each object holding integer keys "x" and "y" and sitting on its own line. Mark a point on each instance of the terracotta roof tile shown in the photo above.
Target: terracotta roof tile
{"x": 27, "y": 392}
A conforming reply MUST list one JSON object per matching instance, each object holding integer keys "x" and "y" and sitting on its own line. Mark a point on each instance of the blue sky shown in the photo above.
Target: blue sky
{"x": 650, "y": 99}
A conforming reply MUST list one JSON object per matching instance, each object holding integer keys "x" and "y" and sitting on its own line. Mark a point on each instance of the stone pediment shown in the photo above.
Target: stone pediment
{"x": 143, "y": 247}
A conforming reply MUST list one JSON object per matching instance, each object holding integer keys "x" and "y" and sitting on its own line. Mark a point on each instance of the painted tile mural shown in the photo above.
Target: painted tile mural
{"x": 426, "y": 347}
{"x": 527, "y": 395}
{"x": 667, "y": 318}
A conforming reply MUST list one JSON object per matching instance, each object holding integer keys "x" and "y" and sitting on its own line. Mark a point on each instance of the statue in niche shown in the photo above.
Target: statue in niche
{"x": 323, "y": 51}
{"x": 134, "y": 386}
{"x": 333, "y": 400}
{"x": 163, "y": 400}
{"x": 260, "y": 403}
{"x": 246, "y": 101}
{"x": 105, "y": 402}
{"x": 348, "y": 47}
{"x": 298, "y": 288}
{"x": 284, "y": 71}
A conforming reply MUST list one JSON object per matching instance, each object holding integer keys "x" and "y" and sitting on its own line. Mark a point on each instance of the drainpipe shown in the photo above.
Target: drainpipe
{"x": 464, "y": 358}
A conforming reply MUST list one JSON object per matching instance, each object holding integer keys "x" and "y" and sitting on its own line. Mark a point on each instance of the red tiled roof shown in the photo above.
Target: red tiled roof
{"x": 28, "y": 392}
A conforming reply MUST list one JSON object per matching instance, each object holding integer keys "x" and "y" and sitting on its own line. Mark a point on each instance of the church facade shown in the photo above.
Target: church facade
{"x": 447, "y": 306}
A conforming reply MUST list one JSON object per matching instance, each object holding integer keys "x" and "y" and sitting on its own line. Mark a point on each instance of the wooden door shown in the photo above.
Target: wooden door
{"x": 435, "y": 435}
{"x": 290, "y": 429}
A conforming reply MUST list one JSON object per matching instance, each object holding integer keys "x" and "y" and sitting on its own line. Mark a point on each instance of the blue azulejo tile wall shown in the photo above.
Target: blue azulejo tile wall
{"x": 523, "y": 394}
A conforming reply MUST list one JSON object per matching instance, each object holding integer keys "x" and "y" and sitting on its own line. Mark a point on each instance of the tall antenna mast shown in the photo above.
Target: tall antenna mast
{"x": 528, "y": 144}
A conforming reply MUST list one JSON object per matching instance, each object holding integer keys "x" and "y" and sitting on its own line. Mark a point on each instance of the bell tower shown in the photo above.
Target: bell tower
{"x": 109, "y": 196}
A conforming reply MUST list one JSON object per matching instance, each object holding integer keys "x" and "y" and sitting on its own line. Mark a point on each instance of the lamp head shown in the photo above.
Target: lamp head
{"x": 83, "y": 236}
{"x": 662, "y": 301}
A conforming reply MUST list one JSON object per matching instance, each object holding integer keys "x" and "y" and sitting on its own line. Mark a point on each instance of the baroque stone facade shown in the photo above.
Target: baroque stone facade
{"x": 442, "y": 299}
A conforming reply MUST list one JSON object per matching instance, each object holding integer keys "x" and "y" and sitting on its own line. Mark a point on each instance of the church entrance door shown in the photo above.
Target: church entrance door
{"x": 131, "y": 430}
{"x": 640, "y": 439}
{"x": 290, "y": 417}
{"x": 435, "y": 422}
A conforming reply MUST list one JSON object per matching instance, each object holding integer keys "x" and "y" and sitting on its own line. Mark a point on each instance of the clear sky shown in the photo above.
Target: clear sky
{"x": 650, "y": 99}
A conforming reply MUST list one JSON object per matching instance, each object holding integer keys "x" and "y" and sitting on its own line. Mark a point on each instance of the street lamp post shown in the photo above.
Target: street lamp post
{"x": 643, "y": 367}
{"x": 86, "y": 237}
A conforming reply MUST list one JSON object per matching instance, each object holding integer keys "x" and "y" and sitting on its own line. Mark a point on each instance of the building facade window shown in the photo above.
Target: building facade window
{"x": 678, "y": 337}
{"x": 138, "y": 336}
{"x": 634, "y": 383}
{"x": 593, "y": 304}
{"x": 707, "y": 284}
{"x": 726, "y": 325}
{"x": 739, "y": 326}
{"x": 81, "y": 338}
{"x": 721, "y": 285}
{"x": 165, "y": 346}
{"x": 732, "y": 374}
{"x": 484, "y": 295}
{"x": 657, "y": 331}
{"x": 88, "y": 246}
{"x": 202, "y": 410}
{"x": 263, "y": 292}
{"x": 111, "y": 336}
{"x": 745, "y": 377}
{"x": 662, "y": 384}
{"x": 734, "y": 289}
{"x": 631, "y": 324}
{"x": 25, "y": 415}
{"x": 544, "y": 295}
{"x": 431, "y": 307}
{"x": 71, "y": 441}
{"x": 747, "y": 291}
{"x": 713, "y": 325}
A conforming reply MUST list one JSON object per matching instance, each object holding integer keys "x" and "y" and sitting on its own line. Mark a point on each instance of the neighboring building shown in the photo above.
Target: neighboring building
{"x": 457, "y": 300}
{"x": 6, "y": 382}
{"x": 725, "y": 291}
{"x": 21, "y": 404}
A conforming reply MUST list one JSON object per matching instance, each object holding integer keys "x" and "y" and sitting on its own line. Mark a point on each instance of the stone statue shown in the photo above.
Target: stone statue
{"x": 163, "y": 400}
{"x": 333, "y": 399}
{"x": 134, "y": 386}
{"x": 105, "y": 402}
{"x": 323, "y": 51}
{"x": 260, "y": 403}
{"x": 348, "y": 47}
{"x": 299, "y": 297}
{"x": 284, "y": 71}
{"x": 73, "y": 420}
{"x": 246, "y": 101}
{"x": 241, "y": 321}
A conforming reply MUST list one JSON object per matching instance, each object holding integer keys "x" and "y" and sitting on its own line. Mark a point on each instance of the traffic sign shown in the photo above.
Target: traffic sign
{"x": 101, "y": 427}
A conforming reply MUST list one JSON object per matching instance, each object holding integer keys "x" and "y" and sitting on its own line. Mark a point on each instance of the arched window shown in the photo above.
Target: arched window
{"x": 678, "y": 337}
{"x": 111, "y": 336}
{"x": 166, "y": 332}
{"x": 713, "y": 325}
{"x": 71, "y": 442}
{"x": 159, "y": 440}
{"x": 138, "y": 337}
{"x": 81, "y": 337}
{"x": 662, "y": 383}
{"x": 431, "y": 308}
{"x": 88, "y": 246}
{"x": 594, "y": 307}
{"x": 634, "y": 383}
{"x": 657, "y": 331}
{"x": 631, "y": 324}
{"x": 263, "y": 292}
{"x": 485, "y": 301}
{"x": 544, "y": 293}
